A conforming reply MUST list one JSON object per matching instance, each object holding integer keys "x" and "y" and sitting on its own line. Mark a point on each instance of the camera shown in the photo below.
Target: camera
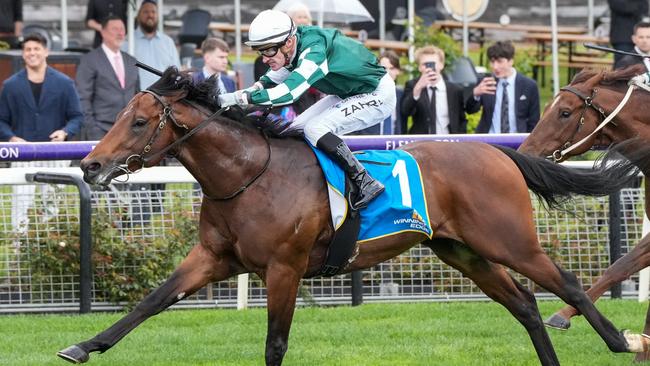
{"x": 431, "y": 65}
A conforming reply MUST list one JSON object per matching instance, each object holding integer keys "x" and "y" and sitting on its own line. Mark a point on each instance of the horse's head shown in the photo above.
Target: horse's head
{"x": 146, "y": 128}
{"x": 577, "y": 110}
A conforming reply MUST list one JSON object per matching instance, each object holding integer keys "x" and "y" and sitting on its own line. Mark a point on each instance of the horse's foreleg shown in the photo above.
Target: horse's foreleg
{"x": 197, "y": 269}
{"x": 282, "y": 283}
{"x": 500, "y": 286}
{"x": 635, "y": 260}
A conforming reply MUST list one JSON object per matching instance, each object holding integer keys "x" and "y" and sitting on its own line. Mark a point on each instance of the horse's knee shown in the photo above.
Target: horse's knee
{"x": 275, "y": 350}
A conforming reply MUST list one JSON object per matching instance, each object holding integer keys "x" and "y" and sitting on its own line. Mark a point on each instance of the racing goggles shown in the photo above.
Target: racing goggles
{"x": 270, "y": 51}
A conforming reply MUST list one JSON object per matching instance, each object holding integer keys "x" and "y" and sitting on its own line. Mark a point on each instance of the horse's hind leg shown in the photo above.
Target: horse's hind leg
{"x": 635, "y": 260}
{"x": 196, "y": 270}
{"x": 500, "y": 286}
{"x": 537, "y": 266}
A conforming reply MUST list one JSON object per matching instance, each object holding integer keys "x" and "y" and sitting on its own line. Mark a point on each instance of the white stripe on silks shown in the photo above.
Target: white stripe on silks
{"x": 278, "y": 92}
{"x": 304, "y": 53}
{"x": 297, "y": 91}
{"x": 324, "y": 67}
{"x": 278, "y": 76}
{"x": 307, "y": 68}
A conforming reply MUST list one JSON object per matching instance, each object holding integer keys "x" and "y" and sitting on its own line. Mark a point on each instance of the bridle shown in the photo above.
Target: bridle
{"x": 588, "y": 100}
{"x": 588, "y": 103}
{"x": 168, "y": 114}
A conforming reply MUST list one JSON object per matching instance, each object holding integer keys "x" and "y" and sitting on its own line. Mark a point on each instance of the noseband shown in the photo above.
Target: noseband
{"x": 168, "y": 114}
{"x": 588, "y": 100}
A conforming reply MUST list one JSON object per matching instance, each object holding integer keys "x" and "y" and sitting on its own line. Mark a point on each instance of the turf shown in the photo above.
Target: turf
{"x": 457, "y": 333}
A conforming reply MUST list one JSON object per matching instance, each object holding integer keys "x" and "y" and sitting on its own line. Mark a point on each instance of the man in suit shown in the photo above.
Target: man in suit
{"x": 215, "y": 58}
{"x": 437, "y": 105}
{"x": 98, "y": 10}
{"x": 509, "y": 99}
{"x": 624, "y": 15}
{"x": 107, "y": 79}
{"x": 641, "y": 39}
{"x": 37, "y": 104}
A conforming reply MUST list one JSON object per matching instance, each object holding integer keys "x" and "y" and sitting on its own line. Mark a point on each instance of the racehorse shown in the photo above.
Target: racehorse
{"x": 265, "y": 211}
{"x": 574, "y": 114}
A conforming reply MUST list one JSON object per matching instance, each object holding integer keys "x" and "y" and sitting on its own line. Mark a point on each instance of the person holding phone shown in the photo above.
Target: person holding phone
{"x": 510, "y": 100}
{"x": 436, "y": 105}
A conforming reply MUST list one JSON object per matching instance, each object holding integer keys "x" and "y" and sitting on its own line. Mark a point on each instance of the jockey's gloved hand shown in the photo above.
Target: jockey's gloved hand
{"x": 240, "y": 97}
{"x": 255, "y": 87}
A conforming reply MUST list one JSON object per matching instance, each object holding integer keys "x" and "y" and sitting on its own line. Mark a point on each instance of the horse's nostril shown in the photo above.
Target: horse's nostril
{"x": 93, "y": 167}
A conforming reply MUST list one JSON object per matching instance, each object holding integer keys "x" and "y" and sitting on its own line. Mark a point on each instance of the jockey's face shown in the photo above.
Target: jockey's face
{"x": 280, "y": 59}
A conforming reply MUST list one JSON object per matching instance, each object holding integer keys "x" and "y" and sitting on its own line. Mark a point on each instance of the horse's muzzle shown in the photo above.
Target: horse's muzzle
{"x": 93, "y": 172}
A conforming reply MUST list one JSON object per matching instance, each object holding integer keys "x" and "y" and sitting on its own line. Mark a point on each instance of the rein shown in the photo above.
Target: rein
{"x": 168, "y": 114}
{"x": 567, "y": 147}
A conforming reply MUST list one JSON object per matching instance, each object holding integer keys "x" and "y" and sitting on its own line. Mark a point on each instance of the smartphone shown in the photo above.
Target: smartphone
{"x": 431, "y": 65}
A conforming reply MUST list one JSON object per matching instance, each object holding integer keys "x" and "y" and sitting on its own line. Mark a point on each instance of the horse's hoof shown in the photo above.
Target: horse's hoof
{"x": 636, "y": 343}
{"x": 557, "y": 321}
{"x": 74, "y": 354}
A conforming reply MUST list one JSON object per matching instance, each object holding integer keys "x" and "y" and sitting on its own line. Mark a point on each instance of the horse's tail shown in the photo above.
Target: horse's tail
{"x": 555, "y": 183}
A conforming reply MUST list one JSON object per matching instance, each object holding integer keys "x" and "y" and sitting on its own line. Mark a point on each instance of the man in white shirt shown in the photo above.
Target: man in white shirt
{"x": 510, "y": 100}
{"x": 436, "y": 105}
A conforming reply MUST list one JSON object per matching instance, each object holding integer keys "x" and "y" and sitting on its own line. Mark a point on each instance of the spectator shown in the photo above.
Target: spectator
{"x": 98, "y": 10}
{"x": 11, "y": 21}
{"x": 215, "y": 56}
{"x": 624, "y": 15}
{"x": 152, "y": 47}
{"x": 641, "y": 39}
{"x": 518, "y": 111}
{"x": 437, "y": 106}
{"x": 37, "y": 104}
{"x": 107, "y": 79}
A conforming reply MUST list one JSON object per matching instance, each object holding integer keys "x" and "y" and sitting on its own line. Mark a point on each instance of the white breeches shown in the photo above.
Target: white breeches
{"x": 341, "y": 116}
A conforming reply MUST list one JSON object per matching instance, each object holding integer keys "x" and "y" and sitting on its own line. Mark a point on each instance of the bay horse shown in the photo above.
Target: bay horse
{"x": 266, "y": 211}
{"x": 573, "y": 115}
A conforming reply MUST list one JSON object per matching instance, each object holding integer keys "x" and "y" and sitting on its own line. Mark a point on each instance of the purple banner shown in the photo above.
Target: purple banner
{"x": 28, "y": 151}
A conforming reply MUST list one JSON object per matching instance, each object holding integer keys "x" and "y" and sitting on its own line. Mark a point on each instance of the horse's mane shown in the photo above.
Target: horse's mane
{"x": 204, "y": 93}
{"x": 618, "y": 77}
{"x": 174, "y": 81}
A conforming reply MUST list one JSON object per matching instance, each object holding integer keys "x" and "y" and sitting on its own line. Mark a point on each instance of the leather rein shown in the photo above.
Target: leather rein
{"x": 168, "y": 114}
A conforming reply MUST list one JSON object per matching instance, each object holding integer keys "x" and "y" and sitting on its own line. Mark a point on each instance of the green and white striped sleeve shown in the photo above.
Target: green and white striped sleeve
{"x": 311, "y": 67}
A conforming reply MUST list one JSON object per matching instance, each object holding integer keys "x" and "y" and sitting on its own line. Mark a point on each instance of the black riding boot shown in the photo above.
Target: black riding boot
{"x": 367, "y": 187}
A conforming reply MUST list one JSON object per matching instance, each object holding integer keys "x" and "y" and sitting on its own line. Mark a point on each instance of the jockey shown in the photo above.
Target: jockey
{"x": 359, "y": 91}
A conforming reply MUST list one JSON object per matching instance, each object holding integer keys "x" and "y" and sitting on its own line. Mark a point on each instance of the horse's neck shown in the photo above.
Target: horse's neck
{"x": 223, "y": 157}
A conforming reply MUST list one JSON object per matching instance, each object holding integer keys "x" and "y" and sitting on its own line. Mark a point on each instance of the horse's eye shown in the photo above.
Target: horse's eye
{"x": 140, "y": 122}
{"x": 565, "y": 114}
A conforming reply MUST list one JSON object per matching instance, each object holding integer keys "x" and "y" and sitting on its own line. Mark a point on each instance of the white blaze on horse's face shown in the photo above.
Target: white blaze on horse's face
{"x": 557, "y": 99}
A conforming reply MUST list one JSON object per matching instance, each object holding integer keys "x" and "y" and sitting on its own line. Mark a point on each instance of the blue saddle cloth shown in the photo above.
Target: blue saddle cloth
{"x": 401, "y": 207}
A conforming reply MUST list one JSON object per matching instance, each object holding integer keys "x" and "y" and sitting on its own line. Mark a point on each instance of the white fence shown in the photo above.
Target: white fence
{"x": 138, "y": 217}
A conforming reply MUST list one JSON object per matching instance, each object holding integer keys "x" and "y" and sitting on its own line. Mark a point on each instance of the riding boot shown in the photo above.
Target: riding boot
{"x": 367, "y": 187}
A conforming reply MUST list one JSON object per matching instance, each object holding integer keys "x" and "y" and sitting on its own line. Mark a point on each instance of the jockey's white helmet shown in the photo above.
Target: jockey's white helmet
{"x": 270, "y": 27}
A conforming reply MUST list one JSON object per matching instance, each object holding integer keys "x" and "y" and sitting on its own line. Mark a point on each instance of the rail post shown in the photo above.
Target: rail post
{"x": 85, "y": 226}
{"x": 357, "y": 288}
{"x": 615, "y": 236}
